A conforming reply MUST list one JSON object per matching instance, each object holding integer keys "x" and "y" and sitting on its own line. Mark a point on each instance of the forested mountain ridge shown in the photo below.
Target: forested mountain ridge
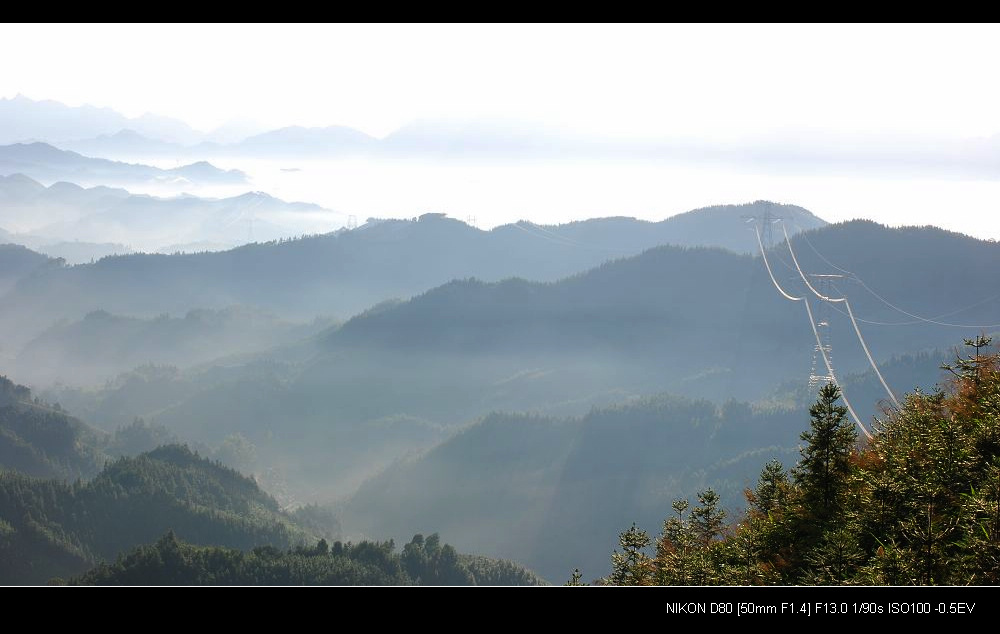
{"x": 507, "y": 483}
{"x": 878, "y": 264}
{"x": 101, "y": 346}
{"x": 510, "y": 479}
{"x": 694, "y": 321}
{"x": 67, "y": 505}
{"x": 17, "y": 262}
{"x": 345, "y": 272}
{"x": 405, "y": 375}
{"x": 723, "y": 226}
{"x": 43, "y": 441}
{"x": 58, "y": 529}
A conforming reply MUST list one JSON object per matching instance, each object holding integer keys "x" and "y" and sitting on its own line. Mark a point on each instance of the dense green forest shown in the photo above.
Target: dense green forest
{"x": 423, "y": 561}
{"x": 55, "y": 528}
{"x": 41, "y": 440}
{"x": 917, "y": 503}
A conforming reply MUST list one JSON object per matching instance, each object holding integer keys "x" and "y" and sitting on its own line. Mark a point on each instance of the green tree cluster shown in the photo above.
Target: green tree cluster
{"x": 423, "y": 561}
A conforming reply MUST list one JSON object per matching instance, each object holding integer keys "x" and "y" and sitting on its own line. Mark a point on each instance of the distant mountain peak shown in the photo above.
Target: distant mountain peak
{"x": 204, "y": 169}
{"x": 124, "y": 133}
{"x": 432, "y": 215}
{"x": 254, "y": 195}
{"x": 65, "y": 186}
{"x": 21, "y": 179}
{"x": 22, "y": 117}
{"x": 295, "y": 141}
{"x": 42, "y": 149}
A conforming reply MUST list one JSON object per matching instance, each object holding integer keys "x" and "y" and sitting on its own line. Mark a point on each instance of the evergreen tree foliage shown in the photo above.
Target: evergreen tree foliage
{"x": 821, "y": 474}
{"x": 170, "y": 561}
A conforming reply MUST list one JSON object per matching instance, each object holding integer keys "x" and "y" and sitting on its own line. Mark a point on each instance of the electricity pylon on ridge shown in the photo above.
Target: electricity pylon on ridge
{"x": 766, "y": 222}
{"x": 824, "y": 282}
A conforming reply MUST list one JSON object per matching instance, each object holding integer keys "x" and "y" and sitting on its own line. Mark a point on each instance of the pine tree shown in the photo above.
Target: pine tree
{"x": 771, "y": 490}
{"x": 575, "y": 579}
{"x": 676, "y": 548}
{"x": 823, "y": 471}
{"x": 631, "y": 567}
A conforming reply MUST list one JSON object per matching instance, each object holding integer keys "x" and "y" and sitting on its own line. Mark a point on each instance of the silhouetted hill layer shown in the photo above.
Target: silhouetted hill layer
{"x": 347, "y": 272}
{"x": 47, "y": 163}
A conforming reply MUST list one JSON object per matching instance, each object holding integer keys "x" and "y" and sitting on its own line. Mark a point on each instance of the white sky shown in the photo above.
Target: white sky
{"x": 711, "y": 82}
{"x": 706, "y": 79}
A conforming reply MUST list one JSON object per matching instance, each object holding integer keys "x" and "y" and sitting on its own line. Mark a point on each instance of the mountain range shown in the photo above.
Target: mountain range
{"x": 688, "y": 341}
{"x": 342, "y": 273}
{"x": 47, "y": 163}
{"x": 23, "y": 119}
{"x": 380, "y": 412}
{"x": 76, "y": 223}
{"x": 106, "y": 133}
{"x": 101, "y": 346}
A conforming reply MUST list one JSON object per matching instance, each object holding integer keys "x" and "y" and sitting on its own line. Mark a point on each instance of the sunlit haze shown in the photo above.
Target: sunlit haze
{"x": 895, "y": 123}
{"x": 725, "y": 80}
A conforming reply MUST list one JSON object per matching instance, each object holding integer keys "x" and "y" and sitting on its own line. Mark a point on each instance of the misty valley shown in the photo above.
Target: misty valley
{"x": 236, "y": 389}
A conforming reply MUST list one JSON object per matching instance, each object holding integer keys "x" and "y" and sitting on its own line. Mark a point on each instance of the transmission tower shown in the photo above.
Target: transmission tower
{"x": 824, "y": 283}
{"x": 352, "y": 222}
{"x": 765, "y": 222}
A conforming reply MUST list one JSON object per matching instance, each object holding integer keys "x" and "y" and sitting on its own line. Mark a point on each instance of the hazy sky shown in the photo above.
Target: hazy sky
{"x": 898, "y": 123}
{"x": 634, "y": 79}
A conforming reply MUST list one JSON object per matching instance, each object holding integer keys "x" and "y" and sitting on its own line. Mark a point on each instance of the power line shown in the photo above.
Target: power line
{"x": 812, "y": 324}
{"x": 822, "y": 319}
{"x": 850, "y": 313}
{"x": 771, "y": 273}
{"x": 829, "y": 368}
{"x": 918, "y": 318}
{"x": 868, "y": 354}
